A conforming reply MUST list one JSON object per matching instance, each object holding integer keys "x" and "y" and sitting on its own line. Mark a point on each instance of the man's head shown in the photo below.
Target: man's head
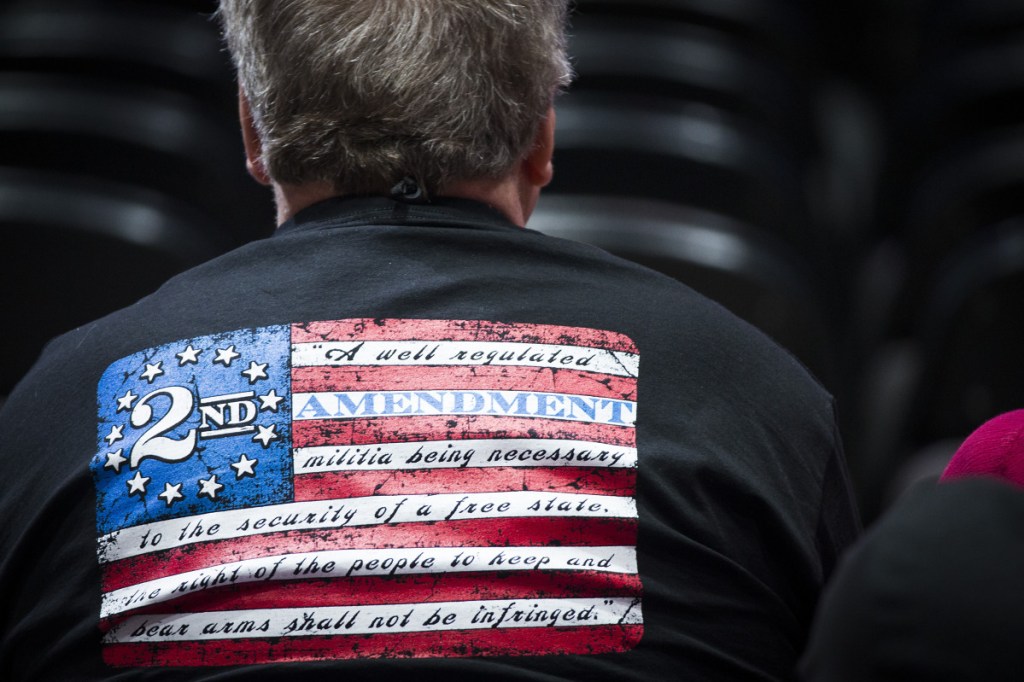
{"x": 358, "y": 94}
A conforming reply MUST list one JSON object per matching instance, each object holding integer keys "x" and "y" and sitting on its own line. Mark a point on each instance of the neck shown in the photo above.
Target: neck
{"x": 510, "y": 195}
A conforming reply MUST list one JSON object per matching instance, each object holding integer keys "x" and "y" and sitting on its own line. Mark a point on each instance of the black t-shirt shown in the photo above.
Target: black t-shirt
{"x": 932, "y": 591}
{"x": 399, "y": 440}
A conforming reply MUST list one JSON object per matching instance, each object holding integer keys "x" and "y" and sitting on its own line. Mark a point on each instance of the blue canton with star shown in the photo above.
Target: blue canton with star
{"x": 195, "y": 426}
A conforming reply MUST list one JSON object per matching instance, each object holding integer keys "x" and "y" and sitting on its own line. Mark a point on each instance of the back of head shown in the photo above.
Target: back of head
{"x": 362, "y": 93}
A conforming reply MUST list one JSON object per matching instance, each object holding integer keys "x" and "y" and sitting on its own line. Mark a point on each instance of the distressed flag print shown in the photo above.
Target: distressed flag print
{"x": 387, "y": 488}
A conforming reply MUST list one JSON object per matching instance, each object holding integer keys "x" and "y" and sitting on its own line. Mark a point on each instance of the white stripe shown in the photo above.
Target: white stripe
{"x": 381, "y": 619}
{"x": 352, "y": 404}
{"x": 371, "y": 562}
{"x": 449, "y": 454}
{"x": 474, "y": 353}
{"x": 359, "y": 511}
{"x": 227, "y": 398}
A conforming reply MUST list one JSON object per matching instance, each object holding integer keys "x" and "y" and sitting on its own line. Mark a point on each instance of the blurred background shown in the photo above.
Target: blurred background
{"x": 848, "y": 176}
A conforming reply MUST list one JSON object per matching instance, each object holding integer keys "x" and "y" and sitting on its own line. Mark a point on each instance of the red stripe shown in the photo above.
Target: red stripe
{"x": 502, "y": 532}
{"x": 364, "y": 431}
{"x": 403, "y": 589}
{"x": 458, "y": 330}
{"x": 583, "y": 480}
{"x": 489, "y": 377}
{"x": 598, "y": 639}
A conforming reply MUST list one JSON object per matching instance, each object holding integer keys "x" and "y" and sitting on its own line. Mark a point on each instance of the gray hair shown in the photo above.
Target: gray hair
{"x": 361, "y": 93}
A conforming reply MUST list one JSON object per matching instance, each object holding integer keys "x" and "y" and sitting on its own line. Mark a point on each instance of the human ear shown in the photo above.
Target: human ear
{"x": 251, "y": 140}
{"x": 537, "y": 165}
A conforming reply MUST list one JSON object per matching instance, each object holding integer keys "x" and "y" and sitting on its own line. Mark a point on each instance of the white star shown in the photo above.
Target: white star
{"x": 243, "y": 467}
{"x": 209, "y": 487}
{"x": 115, "y": 460}
{"x": 152, "y": 372}
{"x": 171, "y": 493}
{"x": 114, "y": 435}
{"x": 266, "y": 435}
{"x": 255, "y": 372}
{"x": 137, "y": 484}
{"x": 270, "y": 401}
{"x": 125, "y": 403}
{"x": 225, "y": 356}
{"x": 189, "y": 355}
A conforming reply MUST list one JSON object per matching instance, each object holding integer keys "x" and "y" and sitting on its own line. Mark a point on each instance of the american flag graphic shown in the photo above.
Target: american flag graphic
{"x": 364, "y": 488}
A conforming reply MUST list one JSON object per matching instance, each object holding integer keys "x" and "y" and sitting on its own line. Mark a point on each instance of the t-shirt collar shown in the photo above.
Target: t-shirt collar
{"x": 364, "y": 211}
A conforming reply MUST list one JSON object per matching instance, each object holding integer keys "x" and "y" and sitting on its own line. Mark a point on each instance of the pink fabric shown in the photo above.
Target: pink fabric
{"x": 996, "y": 448}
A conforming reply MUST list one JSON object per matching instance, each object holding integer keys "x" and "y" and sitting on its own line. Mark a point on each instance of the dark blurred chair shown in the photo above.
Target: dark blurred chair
{"x": 152, "y": 138}
{"x": 685, "y": 62}
{"x": 950, "y": 194}
{"x": 978, "y": 182}
{"x": 758, "y": 277}
{"x": 972, "y": 328}
{"x": 691, "y": 153}
{"x": 77, "y": 248}
{"x": 135, "y": 92}
{"x": 783, "y": 28}
{"x": 958, "y": 367}
{"x": 955, "y": 23}
{"x": 166, "y": 45}
{"x": 955, "y": 142}
{"x": 958, "y": 103}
